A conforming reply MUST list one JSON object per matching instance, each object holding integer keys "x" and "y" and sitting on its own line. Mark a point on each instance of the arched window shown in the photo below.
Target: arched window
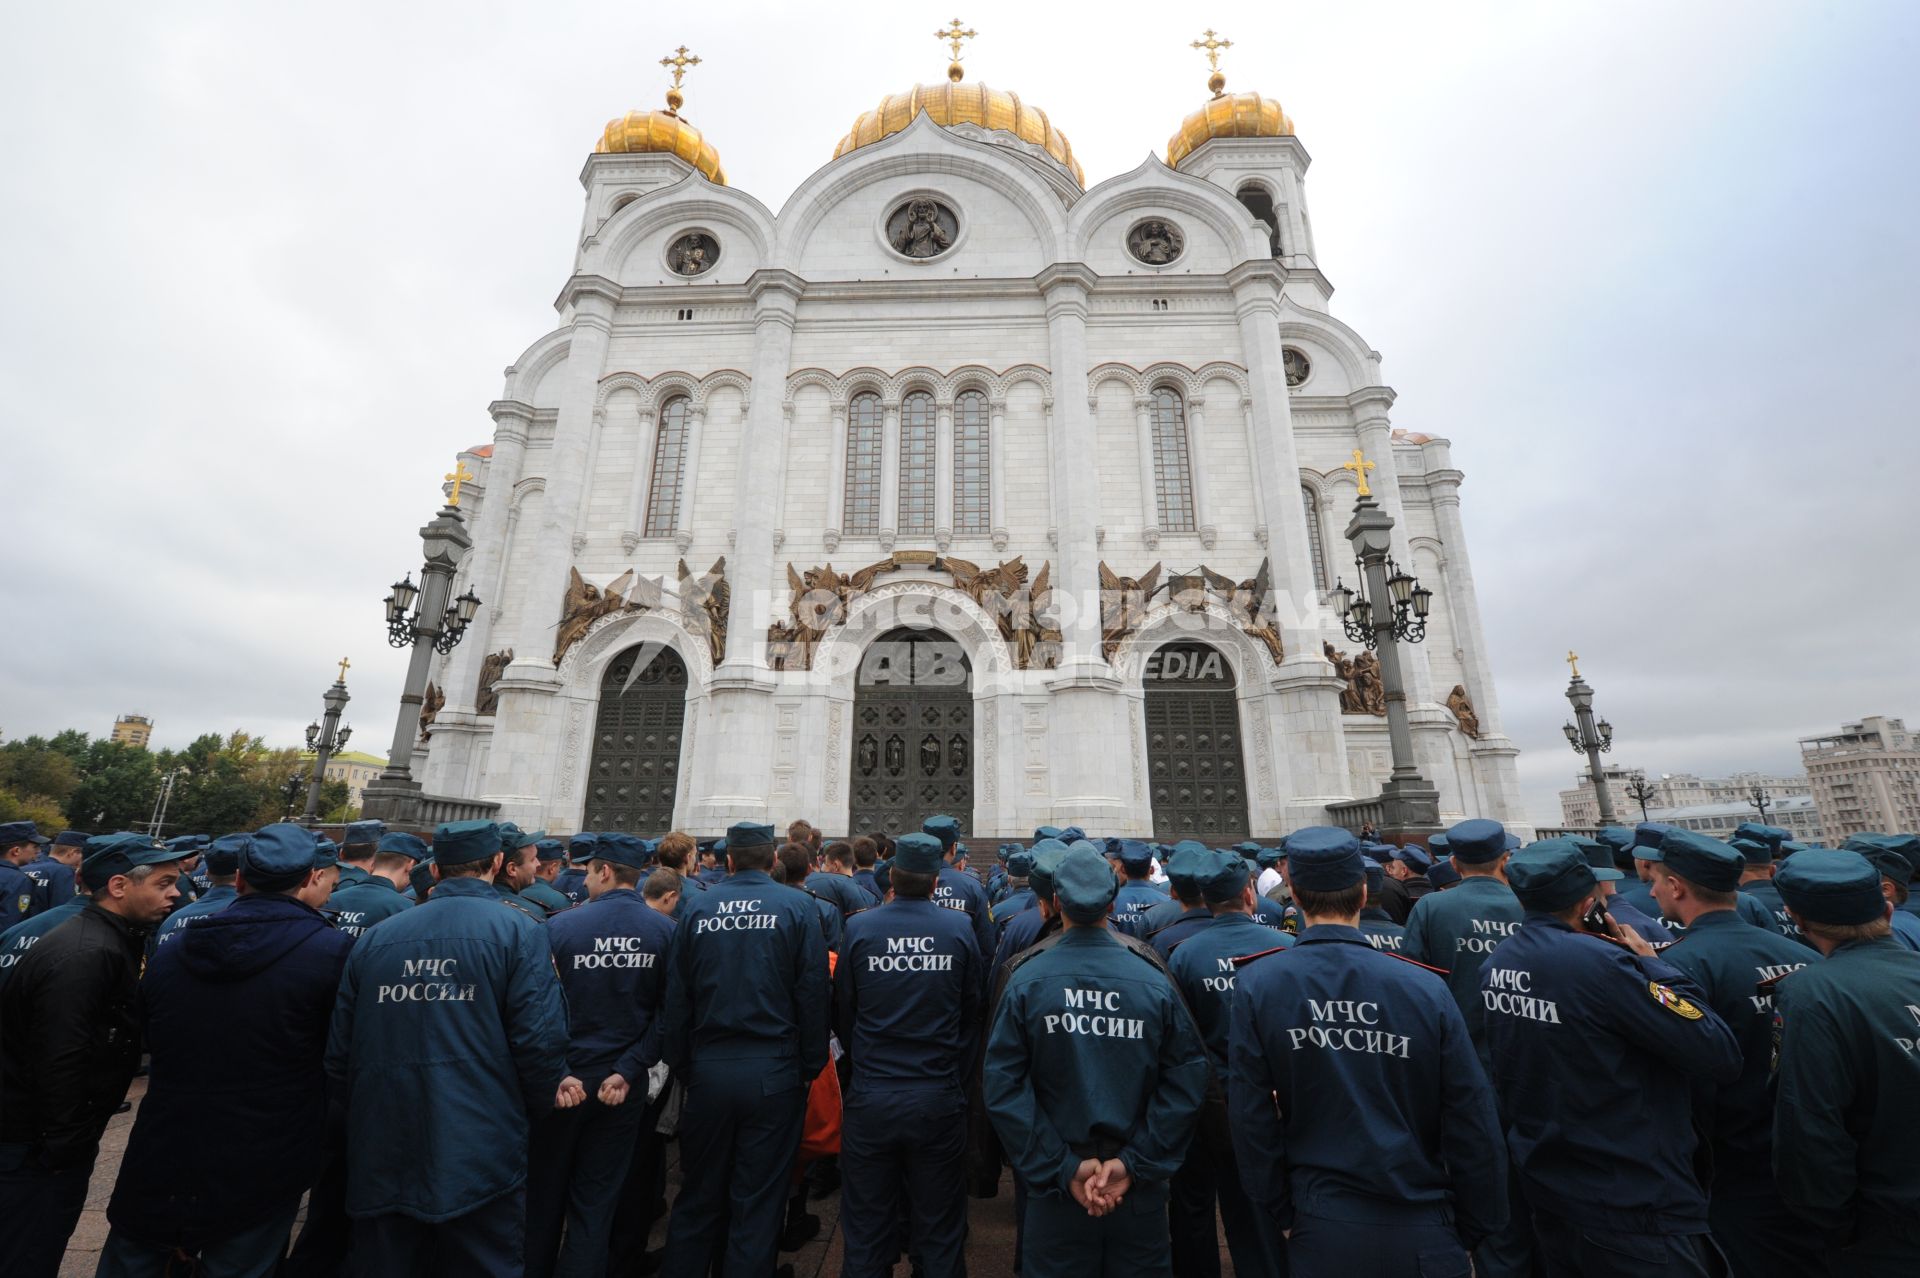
{"x": 669, "y": 465}
{"x": 916, "y": 465}
{"x": 1316, "y": 548}
{"x": 1172, "y": 470}
{"x": 1259, "y": 203}
{"x": 864, "y": 431}
{"x": 972, "y": 466}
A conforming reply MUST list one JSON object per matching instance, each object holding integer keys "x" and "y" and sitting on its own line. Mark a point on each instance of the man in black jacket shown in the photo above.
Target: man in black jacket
{"x": 69, "y": 1044}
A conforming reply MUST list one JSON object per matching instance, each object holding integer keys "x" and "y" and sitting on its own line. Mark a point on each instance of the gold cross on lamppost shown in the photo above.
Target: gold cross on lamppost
{"x": 1573, "y": 661}
{"x": 1211, "y": 47}
{"x": 678, "y": 63}
{"x": 1359, "y": 466}
{"x": 344, "y": 663}
{"x": 458, "y": 475}
{"x": 953, "y": 34}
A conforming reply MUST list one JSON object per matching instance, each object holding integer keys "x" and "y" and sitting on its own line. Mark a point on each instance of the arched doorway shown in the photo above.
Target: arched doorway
{"x": 912, "y": 733}
{"x": 1193, "y": 746}
{"x": 636, "y": 742}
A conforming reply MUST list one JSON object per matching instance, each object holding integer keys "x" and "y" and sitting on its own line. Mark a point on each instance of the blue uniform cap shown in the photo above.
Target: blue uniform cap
{"x": 1841, "y": 888}
{"x": 1267, "y": 858}
{"x": 1646, "y": 840}
{"x": 944, "y": 828}
{"x": 223, "y": 854}
{"x": 1046, "y": 857}
{"x": 1752, "y": 851}
{"x": 513, "y": 838}
{"x": 111, "y": 854}
{"x": 551, "y": 850}
{"x": 1771, "y": 835}
{"x": 918, "y": 853}
{"x": 1550, "y": 875}
{"x": 1135, "y": 855}
{"x": 883, "y": 875}
{"x": 1413, "y": 856}
{"x": 1600, "y": 857}
{"x": 190, "y": 842}
{"x": 1478, "y": 841}
{"x": 325, "y": 852}
{"x": 363, "y": 832}
{"x": 1226, "y": 878}
{"x": 1190, "y": 866}
{"x": 1378, "y": 853}
{"x": 1376, "y": 881}
{"x": 464, "y": 842}
{"x": 280, "y": 856}
{"x": 580, "y": 848}
{"x": 1073, "y": 834}
{"x": 1440, "y": 846}
{"x": 1046, "y": 832}
{"x": 70, "y": 839}
{"x": 1006, "y": 850}
{"x": 400, "y": 843}
{"x": 1904, "y": 846}
{"x": 17, "y": 832}
{"x": 742, "y": 835}
{"x": 1084, "y": 885}
{"x": 1322, "y": 858}
{"x": 624, "y": 849}
{"x": 1019, "y": 864}
{"x": 1443, "y": 874}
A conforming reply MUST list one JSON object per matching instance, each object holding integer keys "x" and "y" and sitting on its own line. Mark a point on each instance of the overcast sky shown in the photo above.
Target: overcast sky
{"x": 1651, "y": 267}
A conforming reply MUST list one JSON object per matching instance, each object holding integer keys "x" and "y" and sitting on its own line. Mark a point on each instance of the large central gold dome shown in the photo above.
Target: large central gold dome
{"x": 961, "y": 103}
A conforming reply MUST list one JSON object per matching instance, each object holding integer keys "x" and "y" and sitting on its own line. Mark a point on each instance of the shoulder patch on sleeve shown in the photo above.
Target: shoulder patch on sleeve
{"x": 1245, "y": 959}
{"x": 1670, "y": 999}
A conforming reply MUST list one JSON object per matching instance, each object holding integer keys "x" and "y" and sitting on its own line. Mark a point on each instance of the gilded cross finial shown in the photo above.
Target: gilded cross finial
{"x": 458, "y": 476}
{"x": 344, "y": 663}
{"x": 1359, "y": 466}
{"x": 1573, "y": 660}
{"x": 953, "y": 34}
{"x": 678, "y": 63}
{"x": 1211, "y": 47}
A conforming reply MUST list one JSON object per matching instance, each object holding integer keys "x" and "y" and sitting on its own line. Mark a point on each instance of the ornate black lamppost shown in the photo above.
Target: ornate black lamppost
{"x": 325, "y": 739}
{"x": 1589, "y": 738}
{"x": 292, "y": 788}
{"x": 1759, "y": 800}
{"x": 1639, "y": 791}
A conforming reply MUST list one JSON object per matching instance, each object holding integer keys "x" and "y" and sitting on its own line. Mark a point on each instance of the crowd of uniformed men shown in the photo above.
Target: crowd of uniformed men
{"x": 1650, "y": 1053}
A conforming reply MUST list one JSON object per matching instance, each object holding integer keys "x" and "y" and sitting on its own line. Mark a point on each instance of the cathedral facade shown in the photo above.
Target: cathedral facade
{"x": 956, "y": 485}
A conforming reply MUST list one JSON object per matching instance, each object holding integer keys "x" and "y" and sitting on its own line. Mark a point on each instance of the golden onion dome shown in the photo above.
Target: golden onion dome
{"x": 1228, "y": 115}
{"x": 958, "y": 103}
{"x": 664, "y": 132}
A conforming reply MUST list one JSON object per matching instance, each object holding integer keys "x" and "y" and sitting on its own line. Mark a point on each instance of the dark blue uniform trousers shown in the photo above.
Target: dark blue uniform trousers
{"x": 1211, "y": 1175}
{"x": 739, "y": 1133}
{"x": 1762, "y": 1239}
{"x": 1569, "y": 1249}
{"x": 251, "y": 1253}
{"x": 486, "y": 1243}
{"x": 911, "y": 1144}
{"x": 1419, "y": 1243}
{"x": 576, "y": 1165}
{"x": 1063, "y": 1241}
{"x": 40, "y": 1209}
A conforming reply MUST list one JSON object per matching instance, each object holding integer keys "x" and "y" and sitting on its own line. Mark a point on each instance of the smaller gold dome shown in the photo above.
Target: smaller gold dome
{"x": 1231, "y": 115}
{"x": 639, "y": 132}
{"x": 956, "y": 102}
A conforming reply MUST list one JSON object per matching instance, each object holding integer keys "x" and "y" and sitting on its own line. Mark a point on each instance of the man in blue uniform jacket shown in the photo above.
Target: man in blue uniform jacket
{"x": 1376, "y": 924}
{"x": 1138, "y": 893}
{"x": 1093, "y": 1079}
{"x": 1457, "y": 929}
{"x": 1564, "y": 1004}
{"x": 222, "y": 862}
{"x": 572, "y": 881}
{"x": 519, "y": 869}
{"x": 52, "y": 870}
{"x": 907, "y": 1009}
{"x": 378, "y": 895}
{"x": 549, "y": 855}
{"x": 1737, "y": 965}
{"x": 612, "y": 957}
{"x": 1845, "y": 1126}
{"x": 1362, "y": 1119}
{"x": 1203, "y": 967}
{"x": 19, "y": 844}
{"x": 745, "y": 1024}
{"x": 450, "y": 1033}
{"x": 235, "y": 1011}
{"x": 958, "y": 890}
{"x": 1190, "y": 865}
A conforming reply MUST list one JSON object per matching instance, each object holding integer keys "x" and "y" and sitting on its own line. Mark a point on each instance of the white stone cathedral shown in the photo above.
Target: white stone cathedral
{"x": 809, "y": 513}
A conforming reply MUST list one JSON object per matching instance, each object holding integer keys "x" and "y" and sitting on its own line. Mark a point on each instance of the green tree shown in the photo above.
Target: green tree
{"x": 37, "y": 808}
{"x": 116, "y": 792}
{"x": 35, "y": 766}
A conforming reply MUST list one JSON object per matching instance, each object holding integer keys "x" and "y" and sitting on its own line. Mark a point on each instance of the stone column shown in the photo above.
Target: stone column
{"x": 943, "y": 477}
{"x": 1149, "y": 489}
{"x": 890, "y": 477}
{"x": 837, "y": 478}
{"x": 640, "y": 487}
{"x": 584, "y": 512}
{"x": 1196, "y": 463}
{"x": 1259, "y": 500}
{"x": 1053, "y": 474}
{"x": 689, "y": 478}
{"x": 997, "y": 479}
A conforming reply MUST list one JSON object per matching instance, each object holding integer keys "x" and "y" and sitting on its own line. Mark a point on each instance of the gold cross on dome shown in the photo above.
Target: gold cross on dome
{"x": 1573, "y": 660}
{"x": 459, "y": 475}
{"x": 1359, "y": 466}
{"x": 679, "y": 62}
{"x": 953, "y": 35}
{"x": 344, "y": 663}
{"x": 1212, "y": 48}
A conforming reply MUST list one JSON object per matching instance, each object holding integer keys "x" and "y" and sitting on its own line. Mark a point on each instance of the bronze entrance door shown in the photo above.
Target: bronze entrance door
{"x": 1193, "y": 746}
{"x": 912, "y": 734}
{"x": 636, "y": 743}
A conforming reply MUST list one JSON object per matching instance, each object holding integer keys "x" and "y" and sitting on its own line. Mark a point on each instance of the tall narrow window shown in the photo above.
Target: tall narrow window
{"x": 1172, "y": 471}
{"x": 916, "y": 465}
{"x": 669, "y": 463}
{"x": 1316, "y": 548}
{"x": 864, "y": 431}
{"x": 972, "y": 466}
